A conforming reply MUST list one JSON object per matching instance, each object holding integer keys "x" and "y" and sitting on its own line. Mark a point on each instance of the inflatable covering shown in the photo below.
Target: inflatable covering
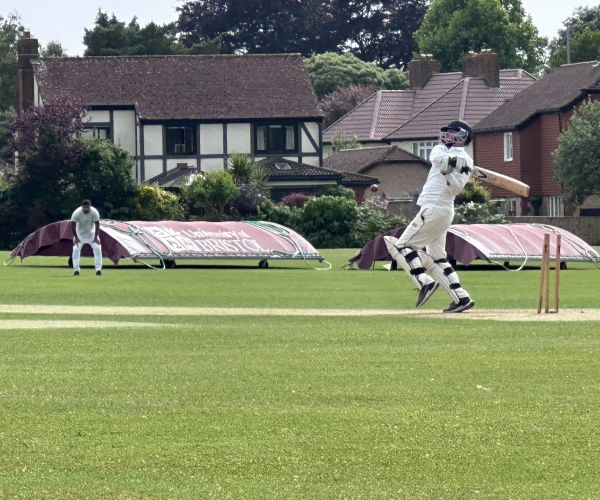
{"x": 492, "y": 242}
{"x": 172, "y": 240}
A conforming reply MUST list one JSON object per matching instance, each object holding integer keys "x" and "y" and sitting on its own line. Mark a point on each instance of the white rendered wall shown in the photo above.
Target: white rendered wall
{"x": 311, "y": 160}
{"x": 211, "y": 138}
{"x": 153, "y": 168}
{"x": 96, "y": 115}
{"x": 313, "y": 129}
{"x": 239, "y": 138}
{"x": 172, "y": 162}
{"x": 124, "y": 130}
{"x": 153, "y": 140}
{"x": 209, "y": 164}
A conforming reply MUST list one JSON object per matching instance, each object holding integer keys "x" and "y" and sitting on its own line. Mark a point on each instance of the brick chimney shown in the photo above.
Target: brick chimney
{"x": 420, "y": 70}
{"x": 27, "y": 52}
{"x": 485, "y": 64}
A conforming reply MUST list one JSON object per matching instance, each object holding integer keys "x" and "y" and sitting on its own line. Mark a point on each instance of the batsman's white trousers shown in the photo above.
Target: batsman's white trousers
{"x": 428, "y": 230}
{"x": 96, "y": 248}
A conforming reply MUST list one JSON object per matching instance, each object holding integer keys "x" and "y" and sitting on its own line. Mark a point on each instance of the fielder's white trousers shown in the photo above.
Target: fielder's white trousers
{"x": 96, "y": 248}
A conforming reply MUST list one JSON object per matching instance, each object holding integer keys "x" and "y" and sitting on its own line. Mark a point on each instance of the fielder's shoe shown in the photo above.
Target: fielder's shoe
{"x": 76, "y": 273}
{"x": 426, "y": 292}
{"x": 98, "y": 273}
{"x": 463, "y": 304}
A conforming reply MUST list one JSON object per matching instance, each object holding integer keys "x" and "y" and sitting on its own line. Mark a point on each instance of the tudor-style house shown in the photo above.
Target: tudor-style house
{"x": 184, "y": 113}
{"x": 519, "y": 138}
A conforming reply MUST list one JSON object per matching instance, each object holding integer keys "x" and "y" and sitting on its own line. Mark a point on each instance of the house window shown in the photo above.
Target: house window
{"x": 276, "y": 138}
{"x": 508, "y": 146}
{"x": 508, "y": 206}
{"x": 99, "y": 133}
{"x": 181, "y": 140}
{"x": 423, "y": 149}
{"x": 554, "y": 206}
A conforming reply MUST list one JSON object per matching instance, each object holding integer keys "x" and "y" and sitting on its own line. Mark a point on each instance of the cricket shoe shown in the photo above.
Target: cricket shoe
{"x": 76, "y": 273}
{"x": 98, "y": 273}
{"x": 426, "y": 292}
{"x": 464, "y": 304}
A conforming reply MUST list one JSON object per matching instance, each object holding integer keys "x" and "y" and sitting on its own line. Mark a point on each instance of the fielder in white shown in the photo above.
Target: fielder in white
{"x": 85, "y": 224}
{"x": 421, "y": 249}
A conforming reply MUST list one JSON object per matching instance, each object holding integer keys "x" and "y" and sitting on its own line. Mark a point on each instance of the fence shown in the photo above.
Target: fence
{"x": 587, "y": 228}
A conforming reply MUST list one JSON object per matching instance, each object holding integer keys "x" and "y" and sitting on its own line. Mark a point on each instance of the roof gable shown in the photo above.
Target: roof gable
{"x": 553, "y": 92}
{"x": 186, "y": 87}
{"x": 360, "y": 160}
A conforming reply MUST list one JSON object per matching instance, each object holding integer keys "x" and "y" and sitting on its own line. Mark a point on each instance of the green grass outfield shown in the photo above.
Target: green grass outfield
{"x": 112, "y": 403}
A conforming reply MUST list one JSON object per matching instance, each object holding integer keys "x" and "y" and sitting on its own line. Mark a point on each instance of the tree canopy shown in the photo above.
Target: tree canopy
{"x": 380, "y": 32}
{"x": 584, "y": 31}
{"x": 10, "y": 32}
{"x": 454, "y": 27}
{"x": 577, "y": 158}
{"x": 331, "y": 71}
{"x": 112, "y": 37}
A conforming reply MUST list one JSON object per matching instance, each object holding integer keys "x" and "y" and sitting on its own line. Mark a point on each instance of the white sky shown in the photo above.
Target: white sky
{"x": 65, "y": 20}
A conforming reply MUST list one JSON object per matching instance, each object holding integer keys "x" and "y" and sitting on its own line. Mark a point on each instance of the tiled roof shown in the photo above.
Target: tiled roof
{"x": 186, "y": 87}
{"x": 303, "y": 172}
{"x": 385, "y": 114}
{"x": 359, "y": 160}
{"x": 296, "y": 170}
{"x": 470, "y": 100}
{"x": 174, "y": 178}
{"x": 555, "y": 91}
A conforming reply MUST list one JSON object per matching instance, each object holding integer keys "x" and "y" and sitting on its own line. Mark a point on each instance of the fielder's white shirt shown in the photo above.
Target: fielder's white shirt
{"x": 85, "y": 228}
{"x": 441, "y": 189}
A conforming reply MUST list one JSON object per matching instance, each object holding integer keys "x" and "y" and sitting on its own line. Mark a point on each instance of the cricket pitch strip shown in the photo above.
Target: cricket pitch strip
{"x": 115, "y": 311}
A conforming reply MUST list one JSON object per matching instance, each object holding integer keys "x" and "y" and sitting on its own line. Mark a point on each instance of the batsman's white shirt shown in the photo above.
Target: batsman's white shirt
{"x": 85, "y": 223}
{"x": 441, "y": 189}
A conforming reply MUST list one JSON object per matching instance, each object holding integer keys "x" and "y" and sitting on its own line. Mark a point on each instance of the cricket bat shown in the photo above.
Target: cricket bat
{"x": 501, "y": 180}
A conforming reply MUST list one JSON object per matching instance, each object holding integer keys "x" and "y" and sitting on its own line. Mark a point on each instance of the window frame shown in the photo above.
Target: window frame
{"x": 268, "y": 149}
{"x": 94, "y": 129}
{"x": 194, "y": 138}
{"x": 425, "y": 146}
{"x": 554, "y": 206}
{"x": 508, "y": 141}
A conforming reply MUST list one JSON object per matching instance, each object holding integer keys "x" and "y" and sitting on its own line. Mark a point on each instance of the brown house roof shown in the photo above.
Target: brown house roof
{"x": 174, "y": 178}
{"x": 360, "y": 160}
{"x": 384, "y": 114}
{"x": 186, "y": 87}
{"x": 555, "y": 91}
{"x": 303, "y": 172}
{"x": 471, "y": 99}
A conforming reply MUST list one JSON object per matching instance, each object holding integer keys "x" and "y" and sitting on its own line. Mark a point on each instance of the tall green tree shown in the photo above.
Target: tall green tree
{"x": 380, "y": 32}
{"x": 577, "y": 158}
{"x": 583, "y": 28}
{"x": 53, "y": 49}
{"x": 10, "y": 32}
{"x": 454, "y": 27}
{"x": 112, "y": 37}
{"x": 331, "y": 71}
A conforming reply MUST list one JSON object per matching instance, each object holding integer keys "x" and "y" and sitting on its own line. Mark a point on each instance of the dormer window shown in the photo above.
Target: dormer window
{"x": 276, "y": 138}
{"x": 181, "y": 140}
{"x": 98, "y": 133}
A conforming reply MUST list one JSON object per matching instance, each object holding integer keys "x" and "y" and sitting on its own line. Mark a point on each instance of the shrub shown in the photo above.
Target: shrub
{"x": 327, "y": 221}
{"x": 479, "y": 213}
{"x": 210, "y": 194}
{"x": 296, "y": 200}
{"x": 155, "y": 203}
{"x": 474, "y": 191}
{"x": 372, "y": 221}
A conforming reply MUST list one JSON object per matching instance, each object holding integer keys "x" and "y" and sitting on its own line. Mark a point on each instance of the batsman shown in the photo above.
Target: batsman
{"x": 421, "y": 249}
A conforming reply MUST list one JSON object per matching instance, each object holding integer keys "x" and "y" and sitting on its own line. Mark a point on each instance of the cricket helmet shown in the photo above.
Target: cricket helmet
{"x": 456, "y": 133}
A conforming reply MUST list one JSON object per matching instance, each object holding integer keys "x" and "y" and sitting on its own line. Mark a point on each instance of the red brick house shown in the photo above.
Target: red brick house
{"x": 412, "y": 118}
{"x": 520, "y": 137}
